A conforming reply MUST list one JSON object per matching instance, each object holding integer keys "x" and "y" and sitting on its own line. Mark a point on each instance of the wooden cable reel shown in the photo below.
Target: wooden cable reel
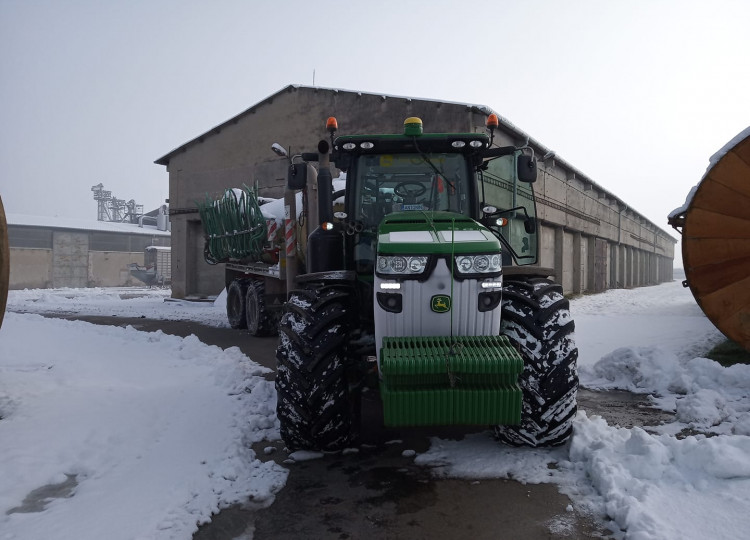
{"x": 716, "y": 241}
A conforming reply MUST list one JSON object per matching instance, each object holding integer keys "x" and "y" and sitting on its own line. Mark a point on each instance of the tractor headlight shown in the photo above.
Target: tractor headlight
{"x": 401, "y": 265}
{"x": 479, "y": 264}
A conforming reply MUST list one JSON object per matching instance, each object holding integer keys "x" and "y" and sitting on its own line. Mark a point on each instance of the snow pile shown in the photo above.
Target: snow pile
{"x": 705, "y": 395}
{"x": 647, "y": 486}
{"x": 144, "y": 435}
{"x": 641, "y": 370}
{"x": 664, "y": 316}
{"x": 659, "y": 487}
{"x": 150, "y": 303}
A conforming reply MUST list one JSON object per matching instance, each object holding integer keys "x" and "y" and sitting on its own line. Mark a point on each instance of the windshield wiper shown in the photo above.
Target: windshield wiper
{"x": 429, "y": 162}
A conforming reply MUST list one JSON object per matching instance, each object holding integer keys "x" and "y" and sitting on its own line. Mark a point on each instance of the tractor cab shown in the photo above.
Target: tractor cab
{"x": 422, "y": 173}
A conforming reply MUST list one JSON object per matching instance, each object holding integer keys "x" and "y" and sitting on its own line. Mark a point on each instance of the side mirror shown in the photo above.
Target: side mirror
{"x": 341, "y": 161}
{"x": 526, "y": 169}
{"x": 297, "y": 177}
{"x": 529, "y": 225}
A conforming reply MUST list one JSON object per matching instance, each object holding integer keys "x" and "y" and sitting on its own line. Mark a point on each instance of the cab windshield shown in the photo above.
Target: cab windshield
{"x": 388, "y": 183}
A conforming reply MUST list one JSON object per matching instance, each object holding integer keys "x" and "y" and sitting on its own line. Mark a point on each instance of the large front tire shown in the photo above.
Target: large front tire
{"x": 536, "y": 318}
{"x": 315, "y": 408}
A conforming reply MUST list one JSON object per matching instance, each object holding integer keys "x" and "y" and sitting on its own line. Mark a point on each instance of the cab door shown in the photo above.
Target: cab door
{"x": 515, "y": 219}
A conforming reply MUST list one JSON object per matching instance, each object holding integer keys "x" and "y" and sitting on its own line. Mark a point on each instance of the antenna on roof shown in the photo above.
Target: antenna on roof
{"x": 313, "y": 77}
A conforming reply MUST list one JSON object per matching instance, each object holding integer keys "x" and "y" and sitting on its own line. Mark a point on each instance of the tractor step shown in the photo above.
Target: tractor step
{"x": 467, "y": 380}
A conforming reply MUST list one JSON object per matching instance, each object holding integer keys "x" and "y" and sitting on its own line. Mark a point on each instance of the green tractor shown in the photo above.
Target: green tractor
{"x": 427, "y": 286}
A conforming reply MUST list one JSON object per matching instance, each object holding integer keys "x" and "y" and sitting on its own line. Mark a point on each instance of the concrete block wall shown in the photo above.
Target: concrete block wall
{"x": 110, "y": 269}
{"x": 43, "y": 256}
{"x": 70, "y": 259}
{"x": 589, "y": 264}
{"x": 30, "y": 268}
{"x": 33, "y": 268}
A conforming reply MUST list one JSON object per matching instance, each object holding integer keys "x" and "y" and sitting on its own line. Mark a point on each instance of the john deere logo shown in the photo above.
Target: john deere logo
{"x": 440, "y": 303}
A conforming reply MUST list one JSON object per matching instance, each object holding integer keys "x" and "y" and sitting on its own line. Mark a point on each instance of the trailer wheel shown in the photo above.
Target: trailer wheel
{"x": 258, "y": 321}
{"x": 536, "y": 318}
{"x": 315, "y": 407}
{"x": 236, "y": 303}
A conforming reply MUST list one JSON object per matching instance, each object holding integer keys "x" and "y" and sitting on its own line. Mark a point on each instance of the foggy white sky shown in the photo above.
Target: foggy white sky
{"x": 635, "y": 94}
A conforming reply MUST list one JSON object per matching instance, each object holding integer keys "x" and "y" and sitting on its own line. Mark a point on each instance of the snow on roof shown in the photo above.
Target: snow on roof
{"x": 82, "y": 224}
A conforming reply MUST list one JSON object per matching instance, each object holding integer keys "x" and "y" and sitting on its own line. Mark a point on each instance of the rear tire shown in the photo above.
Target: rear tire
{"x": 315, "y": 407}
{"x": 258, "y": 321}
{"x": 536, "y": 318}
{"x": 236, "y": 304}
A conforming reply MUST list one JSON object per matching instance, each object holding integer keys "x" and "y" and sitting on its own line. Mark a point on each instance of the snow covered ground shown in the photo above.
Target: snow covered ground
{"x": 145, "y": 434}
{"x": 647, "y": 485}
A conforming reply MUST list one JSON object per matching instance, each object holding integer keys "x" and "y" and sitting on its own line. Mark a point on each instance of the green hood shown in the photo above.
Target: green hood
{"x": 428, "y": 233}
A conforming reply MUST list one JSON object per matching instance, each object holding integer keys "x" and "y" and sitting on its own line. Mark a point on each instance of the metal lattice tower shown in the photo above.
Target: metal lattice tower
{"x": 102, "y": 197}
{"x": 111, "y": 208}
{"x": 134, "y": 210}
{"x": 117, "y": 206}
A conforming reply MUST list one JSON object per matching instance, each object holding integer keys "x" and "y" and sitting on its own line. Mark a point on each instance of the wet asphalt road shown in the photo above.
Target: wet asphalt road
{"x": 378, "y": 492}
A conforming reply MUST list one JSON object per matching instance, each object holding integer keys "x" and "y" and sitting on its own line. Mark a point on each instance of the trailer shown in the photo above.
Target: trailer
{"x": 157, "y": 268}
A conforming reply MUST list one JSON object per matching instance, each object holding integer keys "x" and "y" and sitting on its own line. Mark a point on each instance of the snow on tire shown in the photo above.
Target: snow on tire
{"x": 536, "y": 318}
{"x": 314, "y": 407}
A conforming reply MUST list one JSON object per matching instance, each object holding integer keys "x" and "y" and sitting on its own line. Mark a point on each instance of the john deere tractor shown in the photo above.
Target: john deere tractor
{"x": 427, "y": 283}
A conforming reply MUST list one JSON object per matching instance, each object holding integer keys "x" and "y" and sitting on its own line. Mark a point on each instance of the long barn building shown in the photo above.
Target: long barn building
{"x": 592, "y": 239}
{"x": 48, "y": 252}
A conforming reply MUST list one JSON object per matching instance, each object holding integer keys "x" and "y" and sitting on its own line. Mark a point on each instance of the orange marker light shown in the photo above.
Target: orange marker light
{"x": 492, "y": 121}
{"x": 332, "y": 124}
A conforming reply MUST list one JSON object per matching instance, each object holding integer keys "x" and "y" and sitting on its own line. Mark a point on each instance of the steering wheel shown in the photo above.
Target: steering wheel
{"x": 409, "y": 189}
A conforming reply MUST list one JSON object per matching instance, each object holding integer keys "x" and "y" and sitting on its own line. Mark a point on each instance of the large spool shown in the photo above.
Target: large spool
{"x": 715, "y": 222}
